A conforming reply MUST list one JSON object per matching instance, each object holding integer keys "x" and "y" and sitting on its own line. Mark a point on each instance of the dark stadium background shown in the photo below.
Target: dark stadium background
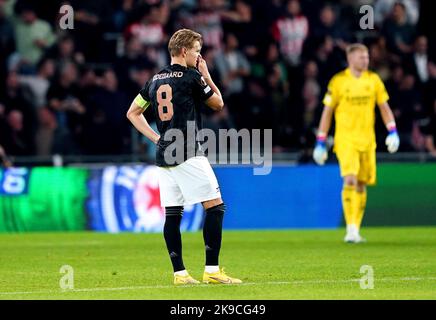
{"x": 79, "y": 190}
{"x": 64, "y": 94}
{"x": 272, "y": 60}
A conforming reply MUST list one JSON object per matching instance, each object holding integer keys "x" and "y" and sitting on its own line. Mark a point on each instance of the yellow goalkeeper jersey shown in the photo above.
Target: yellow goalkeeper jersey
{"x": 353, "y": 101}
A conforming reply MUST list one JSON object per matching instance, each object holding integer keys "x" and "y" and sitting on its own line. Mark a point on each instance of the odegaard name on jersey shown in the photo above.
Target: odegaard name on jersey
{"x": 176, "y": 74}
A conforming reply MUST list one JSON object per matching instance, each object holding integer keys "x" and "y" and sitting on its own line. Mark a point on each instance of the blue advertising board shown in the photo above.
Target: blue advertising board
{"x": 304, "y": 196}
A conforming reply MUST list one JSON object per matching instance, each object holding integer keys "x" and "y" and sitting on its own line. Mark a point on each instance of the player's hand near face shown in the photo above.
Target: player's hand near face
{"x": 202, "y": 67}
{"x": 215, "y": 101}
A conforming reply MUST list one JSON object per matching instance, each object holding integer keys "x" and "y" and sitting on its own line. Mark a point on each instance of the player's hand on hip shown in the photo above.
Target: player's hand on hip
{"x": 320, "y": 153}
{"x": 392, "y": 141}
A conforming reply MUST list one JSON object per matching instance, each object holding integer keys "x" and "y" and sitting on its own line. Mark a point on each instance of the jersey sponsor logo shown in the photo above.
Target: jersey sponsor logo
{"x": 358, "y": 100}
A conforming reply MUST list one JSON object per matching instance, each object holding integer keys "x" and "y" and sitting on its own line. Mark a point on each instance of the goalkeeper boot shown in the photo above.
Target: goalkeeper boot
{"x": 219, "y": 277}
{"x": 187, "y": 279}
{"x": 354, "y": 238}
{"x": 352, "y": 234}
{"x": 359, "y": 239}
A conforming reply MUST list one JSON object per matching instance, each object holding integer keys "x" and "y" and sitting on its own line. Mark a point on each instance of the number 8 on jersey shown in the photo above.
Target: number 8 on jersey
{"x": 165, "y": 106}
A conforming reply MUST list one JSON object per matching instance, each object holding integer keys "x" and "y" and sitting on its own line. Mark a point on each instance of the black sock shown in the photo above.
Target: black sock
{"x": 212, "y": 233}
{"x": 173, "y": 238}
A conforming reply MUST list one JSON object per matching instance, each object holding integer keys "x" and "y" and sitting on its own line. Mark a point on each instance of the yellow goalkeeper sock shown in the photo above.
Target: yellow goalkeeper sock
{"x": 349, "y": 200}
{"x": 361, "y": 198}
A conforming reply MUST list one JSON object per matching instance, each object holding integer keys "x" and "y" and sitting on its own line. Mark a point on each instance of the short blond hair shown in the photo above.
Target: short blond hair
{"x": 183, "y": 38}
{"x": 355, "y": 47}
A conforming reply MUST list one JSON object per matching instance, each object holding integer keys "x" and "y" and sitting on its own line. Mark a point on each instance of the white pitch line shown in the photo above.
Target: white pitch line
{"x": 296, "y": 282}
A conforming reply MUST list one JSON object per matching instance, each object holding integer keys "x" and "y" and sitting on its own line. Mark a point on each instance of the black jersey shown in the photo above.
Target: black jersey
{"x": 176, "y": 94}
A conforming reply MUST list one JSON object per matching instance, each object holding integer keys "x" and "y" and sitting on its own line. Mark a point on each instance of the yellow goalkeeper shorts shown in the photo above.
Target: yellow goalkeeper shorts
{"x": 357, "y": 163}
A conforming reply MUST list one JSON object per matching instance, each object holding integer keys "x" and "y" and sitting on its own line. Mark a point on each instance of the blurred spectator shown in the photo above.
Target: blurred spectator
{"x": 278, "y": 86}
{"x": 45, "y": 135}
{"x": 150, "y": 33}
{"x": 311, "y": 94}
{"x": 64, "y": 50}
{"x": 40, "y": 82}
{"x": 393, "y": 83}
{"x": 255, "y": 111}
{"x": 382, "y": 9}
{"x": 232, "y": 67}
{"x": 122, "y": 14}
{"x": 328, "y": 63}
{"x": 428, "y": 125}
{"x": 107, "y": 105}
{"x": 239, "y": 21}
{"x": 406, "y": 107}
{"x": 215, "y": 120}
{"x": 133, "y": 68}
{"x": 63, "y": 100}
{"x": 307, "y": 109}
{"x": 379, "y": 62}
{"x": 3, "y": 123}
{"x": 290, "y": 31}
{"x": 329, "y": 25}
{"x": 32, "y": 35}
{"x": 20, "y": 98}
{"x": 7, "y": 41}
{"x": 419, "y": 59}
{"x": 91, "y": 19}
{"x": 399, "y": 33}
{"x": 138, "y": 75}
{"x": 206, "y": 20}
{"x": 87, "y": 84}
{"x": 15, "y": 140}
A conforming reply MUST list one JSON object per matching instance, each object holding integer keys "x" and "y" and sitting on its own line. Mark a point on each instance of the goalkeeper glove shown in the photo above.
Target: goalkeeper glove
{"x": 392, "y": 140}
{"x": 320, "y": 152}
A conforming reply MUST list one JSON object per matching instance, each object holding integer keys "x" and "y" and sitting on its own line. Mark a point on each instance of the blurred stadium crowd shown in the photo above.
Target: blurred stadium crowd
{"x": 67, "y": 91}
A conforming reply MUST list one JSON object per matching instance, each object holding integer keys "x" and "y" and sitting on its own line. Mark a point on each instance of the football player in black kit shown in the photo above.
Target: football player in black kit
{"x": 175, "y": 95}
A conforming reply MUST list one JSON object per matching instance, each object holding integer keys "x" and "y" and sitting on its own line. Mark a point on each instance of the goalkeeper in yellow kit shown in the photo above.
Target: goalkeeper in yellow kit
{"x": 351, "y": 96}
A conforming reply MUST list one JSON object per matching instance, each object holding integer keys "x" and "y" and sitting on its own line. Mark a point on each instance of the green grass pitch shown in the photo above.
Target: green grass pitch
{"x": 288, "y": 264}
